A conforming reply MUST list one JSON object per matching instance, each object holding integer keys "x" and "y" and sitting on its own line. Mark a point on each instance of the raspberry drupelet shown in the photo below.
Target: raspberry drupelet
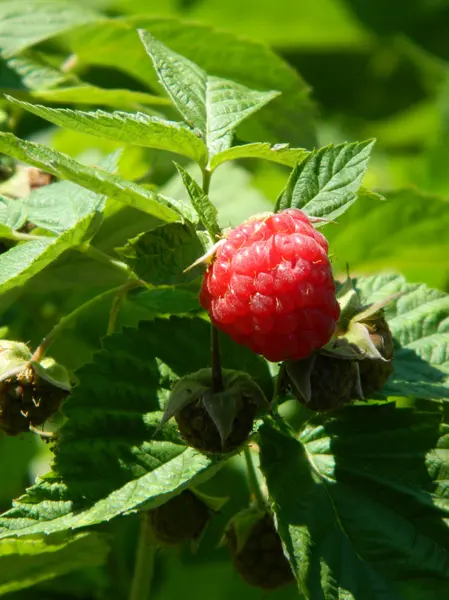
{"x": 270, "y": 287}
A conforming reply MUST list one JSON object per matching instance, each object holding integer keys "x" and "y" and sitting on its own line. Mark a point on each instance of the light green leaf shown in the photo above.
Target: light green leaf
{"x": 280, "y": 153}
{"x": 26, "y": 260}
{"x": 37, "y": 20}
{"x": 96, "y": 180}
{"x": 288, "y": 118}
{"x": 84, "y": 93}
{"x": 26, "y": 562}
{"x": 419, "y": 321}
{"x": 325, "y": 183}
{"x": 59, "y": 206}
{"x": 160, "y": 256}
{"x": 212, "y": 105}
{"x": 139, "y": 128}
{"x": 207, "y": 212}
{"x": 12, "y": 212}
{"x": 406, "y": 234}
{"x": 25, "y": 73}
{"x": 361, "y": 500}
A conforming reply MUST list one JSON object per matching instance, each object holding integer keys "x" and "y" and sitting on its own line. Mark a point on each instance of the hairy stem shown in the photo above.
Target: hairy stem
{"x": 67, "y": 320}
{"x": 253, "y": 480}
{"x": 104, "y": 258}
{"x": 144, "y": 565}
{"x": 217, "y": 375}
{"x": 118, "y": 300}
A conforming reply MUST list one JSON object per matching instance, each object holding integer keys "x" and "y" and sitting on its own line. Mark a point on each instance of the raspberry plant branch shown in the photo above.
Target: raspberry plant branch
{"x": 144, "y": 565}
{"x": 118, "y": 300}
{"x": 104, "y": 258}
{"x": 67, "y": 320}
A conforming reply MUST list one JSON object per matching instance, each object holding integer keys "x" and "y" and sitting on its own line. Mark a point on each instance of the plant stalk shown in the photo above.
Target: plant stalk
{"x": 144, "y": 566}
{"x": 67, "y": 320}
{"x": 217, "y": 375}
{"x": 206, "y": 180}
{"x": 253, "y": 480}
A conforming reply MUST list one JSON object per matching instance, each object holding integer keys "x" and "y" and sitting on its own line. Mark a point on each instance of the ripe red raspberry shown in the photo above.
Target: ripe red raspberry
{"x": 270, "y": 287}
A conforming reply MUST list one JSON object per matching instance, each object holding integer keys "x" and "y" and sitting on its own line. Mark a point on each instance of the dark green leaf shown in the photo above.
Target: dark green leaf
{"x": 109, "y": 460}
{"x": 160, "y": 256}
{"x": 26, "y": 562}
{"x": 360, "y": 501}
{"x": 419, "y": 321}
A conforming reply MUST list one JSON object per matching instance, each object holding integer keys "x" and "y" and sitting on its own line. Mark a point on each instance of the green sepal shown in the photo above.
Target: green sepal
{"x": 14, "y": 358}
{"x": 223, "y": 406}
{"x": 299, "y": 372}
{"x": 243, "y": 523}
{"x": 52, "y": 372}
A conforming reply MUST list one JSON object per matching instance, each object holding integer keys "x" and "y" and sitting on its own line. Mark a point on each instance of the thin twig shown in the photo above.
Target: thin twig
{"x": 144, "y": 565}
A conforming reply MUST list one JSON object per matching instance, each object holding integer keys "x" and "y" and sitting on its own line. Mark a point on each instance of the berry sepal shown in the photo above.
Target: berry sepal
{"x": 215, "y": 421}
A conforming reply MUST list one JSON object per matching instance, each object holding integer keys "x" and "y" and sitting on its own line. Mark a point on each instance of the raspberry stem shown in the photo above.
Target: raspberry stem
{"x": 217, "y": 375}
{"x": 253, "y": 479}
{"x": 67, "y": 320}
{"x": 144, "y": 566}
{"x": 206, "y": 180}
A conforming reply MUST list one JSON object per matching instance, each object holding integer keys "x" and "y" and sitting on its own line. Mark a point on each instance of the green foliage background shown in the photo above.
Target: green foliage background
{"x": 365, "y": 70}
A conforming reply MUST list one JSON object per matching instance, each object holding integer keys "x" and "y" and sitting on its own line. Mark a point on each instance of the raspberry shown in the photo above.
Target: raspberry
{"x": 260, "y": 559}
{"x": 182, "y": 518}
{"x": 200, "y": 432}
{"x": 333, "y": 382}
{"x": 27, "y": 400}
{"x": 270, "y": 287}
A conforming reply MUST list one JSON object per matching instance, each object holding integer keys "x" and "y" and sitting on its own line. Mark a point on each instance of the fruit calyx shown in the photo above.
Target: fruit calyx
{"x": 215, "y": 422}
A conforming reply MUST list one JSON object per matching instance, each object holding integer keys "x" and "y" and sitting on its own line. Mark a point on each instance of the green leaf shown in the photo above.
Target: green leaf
{"x": 407, "y": 233}
{"x": 280, "y": 153}
{"x": 109, "y": 459}
{"x": 59, "y": 206}
{"x": 212, "y": 105}
{"x": 12, "y": 213}
{"x": 84, "y": 93}
{"x": 36, "y": 21}
{"x": 419, "y": 321}
{"x": 325, "y": 183}
{"x": 26, "y": 562}
{"x": 289, "y": 117}
{"x": 160, "y": 256}
{"x": 360, "y": 500}
{"x": 24, "y": 261}
{"x": 139, "y": 128}
{"x": 27, "y": 74}
{"x": 207, "y": 212}
{"x": 96, "y": 180}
